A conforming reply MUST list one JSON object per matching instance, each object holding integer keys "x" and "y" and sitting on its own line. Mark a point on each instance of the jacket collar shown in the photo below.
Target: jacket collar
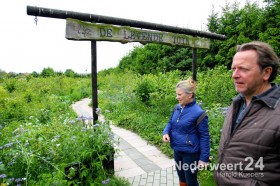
{"x": 270, "y": 97}
{"x": 191, "y": 103}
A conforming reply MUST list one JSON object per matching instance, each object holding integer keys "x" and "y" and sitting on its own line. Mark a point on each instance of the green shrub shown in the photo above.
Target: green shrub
{"x": 43, "y": 143}
{"x": 10, "y": 85}
{"x": 144, "y": 87}
{"x": 215, "y": 86}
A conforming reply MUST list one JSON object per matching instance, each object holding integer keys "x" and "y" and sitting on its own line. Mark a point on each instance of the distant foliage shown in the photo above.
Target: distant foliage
{"x": 215, "y": 86}
{"x": 69, "y": 73}
{"x": 154, "y": 58}
{"x": 3, "y": 74}
{"x": 239, "y": 25}
{"x": 144, "y": 88}
{"x": 48, "y": 72}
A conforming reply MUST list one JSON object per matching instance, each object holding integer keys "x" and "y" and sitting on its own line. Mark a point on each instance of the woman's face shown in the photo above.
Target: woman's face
{"x": 183, "y": 97}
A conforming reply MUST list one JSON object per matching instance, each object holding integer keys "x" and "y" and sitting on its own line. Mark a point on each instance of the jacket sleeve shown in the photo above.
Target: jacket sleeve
{"x": 168, "y": 125}
{"x": 204, "y": 137}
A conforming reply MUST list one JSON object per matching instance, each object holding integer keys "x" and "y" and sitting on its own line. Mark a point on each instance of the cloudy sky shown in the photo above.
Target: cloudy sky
{"x": 27, "y": 47}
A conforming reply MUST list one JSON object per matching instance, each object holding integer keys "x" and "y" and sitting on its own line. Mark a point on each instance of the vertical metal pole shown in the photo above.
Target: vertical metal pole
{"x": 194, "y": 62}
{"x": 109, "y": 162}
{"x": 94, "y": 80}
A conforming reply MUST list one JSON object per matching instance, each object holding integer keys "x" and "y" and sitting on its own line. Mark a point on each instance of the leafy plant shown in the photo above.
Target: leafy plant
{"x": 43, "y": 142}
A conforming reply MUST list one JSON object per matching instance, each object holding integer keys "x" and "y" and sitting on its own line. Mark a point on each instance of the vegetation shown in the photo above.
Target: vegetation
{"x": 143, "y": 104}
{"x": 239, "y": 25}
{"x": 42, "y": 142}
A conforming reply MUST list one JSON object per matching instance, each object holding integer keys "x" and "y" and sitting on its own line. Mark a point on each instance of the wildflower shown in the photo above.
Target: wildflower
{"x": 11, "y": 163}
{"x": 3, "y": 176}
{"x": 81, "y": 118}
{"x": 18, "y": 180}
{"x": 84, "y": 129}
{"x": 224, "y": 110}
{"x": 111, "y": 135}
{"x": 8, "y": 145}
{"x": 73, "y": 137}
{"x": 89, "y": 118}
{"x": 105, "y": 182}
{"x": 98, "y": 111}
{"x": 56, "y": 137}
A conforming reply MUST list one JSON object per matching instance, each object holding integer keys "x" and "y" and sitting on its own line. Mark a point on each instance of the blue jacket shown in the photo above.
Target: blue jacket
{"x": 185, "y": 135}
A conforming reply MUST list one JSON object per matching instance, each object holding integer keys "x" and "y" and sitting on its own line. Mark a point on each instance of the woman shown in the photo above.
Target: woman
{"x": 189, "y": 140}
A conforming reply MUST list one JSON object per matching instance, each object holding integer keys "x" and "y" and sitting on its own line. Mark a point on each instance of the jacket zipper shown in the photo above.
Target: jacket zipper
{"x": 178, "y": 119}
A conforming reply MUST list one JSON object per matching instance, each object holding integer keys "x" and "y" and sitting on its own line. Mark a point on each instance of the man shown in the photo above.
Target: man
{"x": 249, "y": 152}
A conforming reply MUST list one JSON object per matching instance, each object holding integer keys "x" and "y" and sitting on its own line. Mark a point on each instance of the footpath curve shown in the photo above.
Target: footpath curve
{"x": 137, "y": 160}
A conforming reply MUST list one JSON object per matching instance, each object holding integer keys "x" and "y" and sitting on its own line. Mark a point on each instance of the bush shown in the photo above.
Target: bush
{"x": 42, "y": 141}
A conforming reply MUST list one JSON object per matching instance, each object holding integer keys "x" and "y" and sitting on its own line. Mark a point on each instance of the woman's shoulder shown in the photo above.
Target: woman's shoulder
{"x": 198, "y": 108}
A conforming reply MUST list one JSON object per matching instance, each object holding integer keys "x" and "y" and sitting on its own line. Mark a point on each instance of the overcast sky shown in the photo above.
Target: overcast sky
{"x": 27, "y": 47}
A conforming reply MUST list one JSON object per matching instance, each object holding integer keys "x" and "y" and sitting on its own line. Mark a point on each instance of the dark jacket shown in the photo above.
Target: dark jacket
{"x": 185, "y": 135}
{"x": 253, "y": 147}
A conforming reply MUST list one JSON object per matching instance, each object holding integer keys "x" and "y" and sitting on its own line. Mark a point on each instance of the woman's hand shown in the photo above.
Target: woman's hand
{"x": 202, "y": 164}
{"x": 166, "y": 138}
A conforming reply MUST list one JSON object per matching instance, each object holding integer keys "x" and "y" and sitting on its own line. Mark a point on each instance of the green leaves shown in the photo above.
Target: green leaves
{"x": 238, "y": 24}
{"x": 40, "y": 135}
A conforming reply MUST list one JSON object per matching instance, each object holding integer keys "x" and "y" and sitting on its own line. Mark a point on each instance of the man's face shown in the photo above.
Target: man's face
{"x": 247, "y": 76}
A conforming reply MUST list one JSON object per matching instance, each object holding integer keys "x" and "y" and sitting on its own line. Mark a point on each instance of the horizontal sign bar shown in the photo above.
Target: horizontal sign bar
{"x": 80, "y": 30}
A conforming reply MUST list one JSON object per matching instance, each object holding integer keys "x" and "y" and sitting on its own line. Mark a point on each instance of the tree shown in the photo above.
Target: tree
{"x": 34, "y": 74}
{"x": 270, "y": 24}
{"x": 69, "y": 73}
{"x": 48, "y": 72}
{"x": 3, "y": 74}
{"x": 238, "y": 25}
{"x": 154, "y": 58}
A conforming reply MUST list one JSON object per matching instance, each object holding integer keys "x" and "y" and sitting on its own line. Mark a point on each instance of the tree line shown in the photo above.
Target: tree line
{"x": 239, "y": 25}
{"x": 46, "y": 72}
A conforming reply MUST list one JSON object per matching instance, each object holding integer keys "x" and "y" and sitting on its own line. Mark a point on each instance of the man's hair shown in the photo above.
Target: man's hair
{"x": 266, "y": 56}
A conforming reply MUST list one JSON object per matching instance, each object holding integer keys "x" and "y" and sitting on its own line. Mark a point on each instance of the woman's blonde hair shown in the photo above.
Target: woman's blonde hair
{"x": 189, "y": 85}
